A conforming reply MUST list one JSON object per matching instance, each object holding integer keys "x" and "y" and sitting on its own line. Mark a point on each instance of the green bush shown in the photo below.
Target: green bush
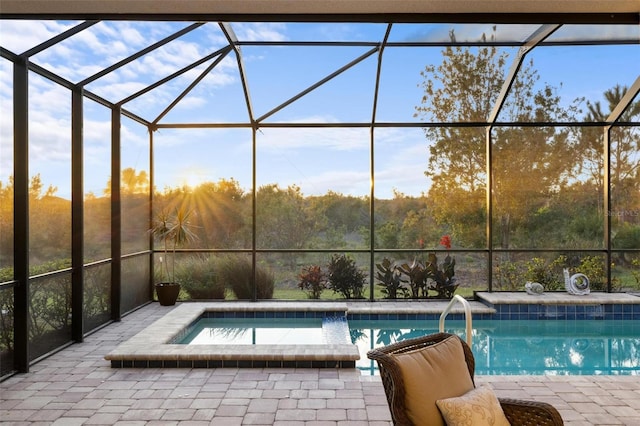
{"x": 200, "y": 277}
{"x": 345, "y": 278}
{"x": 49, "y": 305}
{"x": 236, "y": 273}
{"x": 594, "y": 268}
{"x": 508, "y": 276}
{"x": 97, "y": 296}
{"x": 390, "y": 279}
{"x": 417, "y": 275}
{"x": 548, "y": 274}
{"x": 6, "y": 316}
{"x": 627, "y": 237}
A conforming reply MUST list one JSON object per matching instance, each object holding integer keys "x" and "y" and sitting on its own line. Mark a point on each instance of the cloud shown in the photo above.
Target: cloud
{"x": 20, "y": 36}
{"x": 6, "y": 121}
{"x": 116, "y": 92}
{"x": 92, "y": 50}
{"x": 336, "y": 31}
{"x": 319, "y": 160}
{"x": 49, "y": 140}
{"x": 404, "y": 171}
{"x": 264, "y": 31}
{"x": 338, "y": 139}
{"x": 346, "y": 182}
{"x": 158, "y": 65}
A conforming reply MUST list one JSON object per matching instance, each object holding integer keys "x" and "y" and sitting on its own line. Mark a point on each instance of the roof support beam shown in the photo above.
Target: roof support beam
{"x": 57, "y": 39}
{"x": 191, "y": 86}
{"x": 140, "y": 53}
{"x": 233, "y": 41}
{"x": 625, "y": 101}
{"x": 535, "y": 39}
{"x": 174, "y": 75}
{"x": 320, "y": 83}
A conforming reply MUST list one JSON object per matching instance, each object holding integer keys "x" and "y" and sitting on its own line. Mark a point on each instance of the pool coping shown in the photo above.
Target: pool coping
{"x": 559, "y": 298}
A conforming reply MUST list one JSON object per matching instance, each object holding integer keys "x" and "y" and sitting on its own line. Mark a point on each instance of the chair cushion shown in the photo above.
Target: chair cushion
{"x": 478, "y": 407}
{"x": 435, "y": 372}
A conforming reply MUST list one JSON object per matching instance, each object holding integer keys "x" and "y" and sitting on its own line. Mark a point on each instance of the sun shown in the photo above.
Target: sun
{"x": 193, "y": 177}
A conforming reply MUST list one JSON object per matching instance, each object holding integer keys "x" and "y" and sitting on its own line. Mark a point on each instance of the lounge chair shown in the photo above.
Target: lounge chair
{"x": 437, "y": 367}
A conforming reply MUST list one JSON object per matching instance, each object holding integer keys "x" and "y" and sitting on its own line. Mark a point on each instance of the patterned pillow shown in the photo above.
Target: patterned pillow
{"x": 478, "y": 407}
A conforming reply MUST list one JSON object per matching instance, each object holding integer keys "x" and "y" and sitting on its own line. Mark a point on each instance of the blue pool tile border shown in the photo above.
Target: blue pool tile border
{"x": 404, "y": 316}
{"x": 506, "y": 312}
{"x": 271, "y": 314}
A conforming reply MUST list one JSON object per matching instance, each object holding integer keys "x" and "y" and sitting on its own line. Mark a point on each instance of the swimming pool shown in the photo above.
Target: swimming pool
{"x": 550, "y": 347}
{"x": 547, "y": 347}
{"x": 156, "y": 347}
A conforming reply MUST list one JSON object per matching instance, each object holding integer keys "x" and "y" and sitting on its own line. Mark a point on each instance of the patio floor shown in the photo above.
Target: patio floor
{"x": 77, "y": 386}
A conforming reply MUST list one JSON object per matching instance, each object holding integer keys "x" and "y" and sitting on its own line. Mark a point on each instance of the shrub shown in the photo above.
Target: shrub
{"x": 635, "y": 273}
{"x": 313, "y": 280}
{"x": 200, "y": 278}
{"x": 593, "y": 267}
{"x": 418, "y": 275}
{"x": 547, "y": 274}
{"x": 390, "y": 279}
{"x": 6, "y": 313}
{"x": 508, "y": 276}
{"x": 49, "y": 299}
{"x": 236, "y": 273}
{"x": 97, "y": 296}
{"x": 627, "y": 237}
{"x": 444, "y": 282}
{"x": 345, "y": 278}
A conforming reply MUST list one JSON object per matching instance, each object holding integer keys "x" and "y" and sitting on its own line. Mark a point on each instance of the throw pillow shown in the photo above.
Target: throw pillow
{"x": 478, "y": 407}
{"x": 435, "y": 372}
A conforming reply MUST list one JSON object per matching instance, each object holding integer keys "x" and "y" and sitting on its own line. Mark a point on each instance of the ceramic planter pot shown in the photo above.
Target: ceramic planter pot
{"x": 167, "y": 293}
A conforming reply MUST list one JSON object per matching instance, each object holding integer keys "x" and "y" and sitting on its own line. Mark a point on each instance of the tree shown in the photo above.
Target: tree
{"x": 49, "y": 222}
{"x": 222, "y": 211}
{"x": 131, "y": 182}
{"x": 624, "y": 151}
{"x": 529, "y": 163}
{"x": 282, "y": 219}
{"x": 6, "y": 224}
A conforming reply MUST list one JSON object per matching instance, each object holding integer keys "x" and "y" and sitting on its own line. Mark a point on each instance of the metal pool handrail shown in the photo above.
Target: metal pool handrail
{"x": 467, "y": 315}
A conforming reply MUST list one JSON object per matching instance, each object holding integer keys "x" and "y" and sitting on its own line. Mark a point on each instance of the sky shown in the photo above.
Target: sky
{"x": 315, "y": 159}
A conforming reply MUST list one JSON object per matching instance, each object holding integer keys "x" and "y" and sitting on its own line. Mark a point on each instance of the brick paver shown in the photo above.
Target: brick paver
{"x": 78, "y": 387}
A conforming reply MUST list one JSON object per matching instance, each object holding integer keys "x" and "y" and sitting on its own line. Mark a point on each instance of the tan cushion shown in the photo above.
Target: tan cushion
{"x": 478, "y": 407}
{"x": 435, "y": 372}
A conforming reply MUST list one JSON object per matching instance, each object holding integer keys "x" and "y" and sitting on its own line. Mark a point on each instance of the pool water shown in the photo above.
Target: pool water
{"x": 232, "y": 331}
{"x": 521, "y": 347}
{"x": 329, "y": 329}
{"x": 537, "y": 347}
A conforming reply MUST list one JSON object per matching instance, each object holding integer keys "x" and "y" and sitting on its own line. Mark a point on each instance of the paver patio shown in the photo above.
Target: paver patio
{"x": 77, "y": 386}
